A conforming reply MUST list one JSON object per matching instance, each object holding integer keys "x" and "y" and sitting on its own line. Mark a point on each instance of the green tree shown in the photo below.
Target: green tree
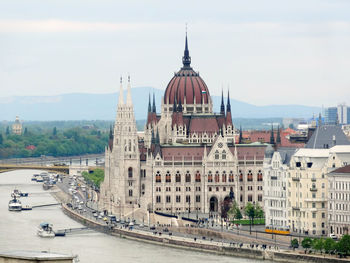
{"x": 343, "y": 245}
{"x": 306, "y": 243}
{"x": 7, "y": 130}
{"x": 25, "y": 131}
{"x": 1, "y": 139}
{"x": 294, "y": 243}
{"x": 54, "y": 131}
{"x": 235, "y": 212}
{"x": 249, "y": 211}
{"x": 259, "y": 212}
{"x": 317, "y": 244}
{"x": 329, "y": 245}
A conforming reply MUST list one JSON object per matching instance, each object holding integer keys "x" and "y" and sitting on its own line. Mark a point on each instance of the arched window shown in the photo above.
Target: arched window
{"x": 188, "y": 177}
{"x": 217, "y": 177}
{"x": 259, "y": 176}
{"x": 129, "y": 145}
{"x": 168, "y": 177}
{"x": 231, "y": 177}
{"x": 130, "y": 192}
{"x": 216, "y": 155}
{"x": 198, "y": 177}
{"x": 249, "y": 176}
{"x": 178, "y": 177}
{"x": 158, "y": 177}
{"x": 224, "y": 177}
{"x": 240, "y": 176}
{"x": 224, "y": 155}
{"x": 210, "y": 177}
{"x": 130, "y": 172}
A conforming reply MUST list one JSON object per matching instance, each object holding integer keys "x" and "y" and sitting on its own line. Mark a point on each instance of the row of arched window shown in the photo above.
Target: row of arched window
{"x": 217, "y": 178}
{"x": 178, "y": 177}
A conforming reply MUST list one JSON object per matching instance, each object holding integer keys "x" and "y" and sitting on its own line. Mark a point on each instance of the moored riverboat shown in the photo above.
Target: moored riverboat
{"x": 15, "y": 205}
{"x": 45, "y": 230}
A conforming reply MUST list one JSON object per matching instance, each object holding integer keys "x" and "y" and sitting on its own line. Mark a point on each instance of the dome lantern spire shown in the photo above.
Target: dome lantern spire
{"x": 186, "y": 59}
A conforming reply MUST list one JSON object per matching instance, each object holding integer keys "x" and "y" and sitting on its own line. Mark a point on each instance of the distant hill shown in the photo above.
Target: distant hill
{"x": 82, "y": 106}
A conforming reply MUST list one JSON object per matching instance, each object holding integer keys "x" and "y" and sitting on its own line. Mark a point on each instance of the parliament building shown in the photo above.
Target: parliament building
{"x": 188, "y": 158}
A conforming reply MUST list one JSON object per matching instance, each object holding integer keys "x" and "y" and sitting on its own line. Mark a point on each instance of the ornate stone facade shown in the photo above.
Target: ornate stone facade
{"x": 187, "y": 159}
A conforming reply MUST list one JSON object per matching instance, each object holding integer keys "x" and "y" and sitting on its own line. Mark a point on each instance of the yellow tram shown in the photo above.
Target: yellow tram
{"x": 277, "y": 230}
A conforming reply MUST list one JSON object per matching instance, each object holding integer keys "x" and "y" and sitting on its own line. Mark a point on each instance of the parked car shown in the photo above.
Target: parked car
{"x": 333, "y": 236}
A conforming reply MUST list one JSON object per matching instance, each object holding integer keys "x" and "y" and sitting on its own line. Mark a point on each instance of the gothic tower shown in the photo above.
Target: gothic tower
{"x": 122, "y": 160}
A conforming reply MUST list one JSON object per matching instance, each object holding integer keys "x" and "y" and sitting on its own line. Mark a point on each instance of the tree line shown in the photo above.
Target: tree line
{"x": 324, "y": 245}
{"x": 54, "y": 142}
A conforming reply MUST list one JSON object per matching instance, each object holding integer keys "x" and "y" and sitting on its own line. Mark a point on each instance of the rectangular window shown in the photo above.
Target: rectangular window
{"x": 198, "y": 198}
{"x": 178, "y": 199}
{"x": 167, "y": 198}
{"x": 158, "y": 199}
{"x": 188, "y": 199}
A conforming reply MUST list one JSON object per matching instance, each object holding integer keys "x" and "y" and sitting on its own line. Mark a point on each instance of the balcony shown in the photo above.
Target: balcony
{"x": 313, "y": 189}
{"x": 273, "y": 177}
{"x": 313, "y": 179}
{"x": 295, "y": 208}
{"x": 296, "y": 179}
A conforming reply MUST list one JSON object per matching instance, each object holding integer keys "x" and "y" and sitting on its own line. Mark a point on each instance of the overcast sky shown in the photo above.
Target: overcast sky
{"x": 266, "y": 52}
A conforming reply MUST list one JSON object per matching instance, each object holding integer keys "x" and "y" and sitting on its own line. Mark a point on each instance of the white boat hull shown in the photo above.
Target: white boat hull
{"x": 43, "y": 233}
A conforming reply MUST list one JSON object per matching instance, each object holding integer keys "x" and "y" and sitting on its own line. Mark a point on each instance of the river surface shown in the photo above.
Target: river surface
{"x": 18, "y": 232}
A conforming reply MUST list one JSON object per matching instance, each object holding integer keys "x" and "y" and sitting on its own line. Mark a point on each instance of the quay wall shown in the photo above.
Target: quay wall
{"x": 199, "y": 245}
{"x": 287, "y": 257}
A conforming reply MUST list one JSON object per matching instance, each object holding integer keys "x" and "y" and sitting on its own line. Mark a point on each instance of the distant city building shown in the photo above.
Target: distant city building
{"x": 275, "y": 188}
{"x": 330, "y": 115}
{"x": 338, "y": 201}
{"x": 17, "y": 127}
{"x": 342, "y": 114}
{"x": 337, "y": 115}
{"x": 292, "y": 122}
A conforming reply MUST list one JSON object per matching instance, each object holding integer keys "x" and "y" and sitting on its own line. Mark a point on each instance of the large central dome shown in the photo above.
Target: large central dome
{"x": 187, "y": 87}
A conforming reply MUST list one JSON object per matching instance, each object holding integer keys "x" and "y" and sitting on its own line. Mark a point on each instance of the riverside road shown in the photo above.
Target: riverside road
{"x": 81, "y": 201}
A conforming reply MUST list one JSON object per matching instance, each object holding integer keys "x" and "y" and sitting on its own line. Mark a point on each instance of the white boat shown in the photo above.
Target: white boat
{"x": 39, "y": 179}
{"x": 45, "y": 230}
{"x": 17, "y": 193}
{"x": 15, "y": 205}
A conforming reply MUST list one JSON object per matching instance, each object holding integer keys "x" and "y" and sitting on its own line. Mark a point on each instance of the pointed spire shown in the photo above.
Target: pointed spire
{"x": 222, "y": 108}
{"x": 149, "y": 102}
{"x": 157, "y": 137}
{"x": 228, "y": 106}
{"x": 278, "y": 138}
{"x": 272, "y": 137}
{"x": 153, "y": 140}
{"x": 320, "y": 119}
{"x": 128, "y": 95}
{"x": 240, "y": 140}
{"x": 186, "y": 59}
{"x": 121, "y": 92}
{"x": 154, "y": 104}
{"x": 110, "y": 132}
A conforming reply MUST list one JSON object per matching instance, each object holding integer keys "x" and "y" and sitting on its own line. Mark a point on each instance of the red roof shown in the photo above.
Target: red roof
{"x": 178, "y": 153}
{"x": 31, "y": 147}
{"x": 186, "y": 83}
{"x": 264, "y": 137}
{"x": 343, "y": 170}
{"x": 200, "y": 125}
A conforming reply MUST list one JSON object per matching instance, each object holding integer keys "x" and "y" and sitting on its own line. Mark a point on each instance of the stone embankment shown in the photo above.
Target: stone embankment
{"x": 191, "y": 244}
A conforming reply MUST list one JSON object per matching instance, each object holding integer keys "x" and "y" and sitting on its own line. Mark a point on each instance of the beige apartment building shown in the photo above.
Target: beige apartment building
{"x": 308, "y": 187}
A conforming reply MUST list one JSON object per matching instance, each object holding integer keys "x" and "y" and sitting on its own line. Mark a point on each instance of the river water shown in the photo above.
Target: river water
{"x": 18, "y": 231}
